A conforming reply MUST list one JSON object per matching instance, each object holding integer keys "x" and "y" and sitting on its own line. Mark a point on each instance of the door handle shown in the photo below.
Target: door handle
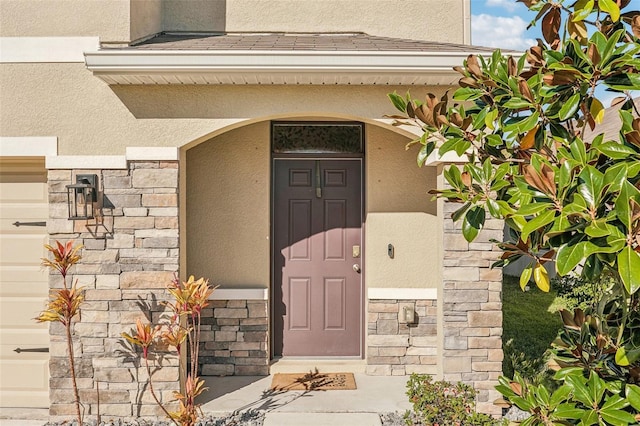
{"x": 356, "y": 267}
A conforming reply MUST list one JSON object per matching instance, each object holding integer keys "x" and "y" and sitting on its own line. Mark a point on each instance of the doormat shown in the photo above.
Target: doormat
{"x": 313, "y": 380}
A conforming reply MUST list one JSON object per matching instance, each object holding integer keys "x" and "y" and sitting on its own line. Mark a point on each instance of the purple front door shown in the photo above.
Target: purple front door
{"x": 318, "y": 290}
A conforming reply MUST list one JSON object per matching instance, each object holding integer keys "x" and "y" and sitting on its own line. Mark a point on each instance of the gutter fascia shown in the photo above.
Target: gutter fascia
{"x": 113, "y": 62}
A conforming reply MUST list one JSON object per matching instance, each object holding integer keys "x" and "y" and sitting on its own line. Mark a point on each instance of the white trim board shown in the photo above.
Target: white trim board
{"x": 240, "y": 294}
{"x": 45, "y": 49}
{"x": 152, "y": 153}
{"x": 403, "y": 293}
{"x": 86, "y": 162}
{"x": 112, "y": 161}
{"x": 28, "y": 146}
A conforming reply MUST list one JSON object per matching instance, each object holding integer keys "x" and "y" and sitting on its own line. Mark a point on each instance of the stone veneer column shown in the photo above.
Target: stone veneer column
{"x": 472, "y": 309}
{"x": 130, "y": 254}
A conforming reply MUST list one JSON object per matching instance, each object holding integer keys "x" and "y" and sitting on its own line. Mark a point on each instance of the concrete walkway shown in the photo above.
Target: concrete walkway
{"x": 246, "y": 394}
{"x": 374, "y": 395}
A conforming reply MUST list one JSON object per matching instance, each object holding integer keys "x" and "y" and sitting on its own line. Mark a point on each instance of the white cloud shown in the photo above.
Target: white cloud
{"x": 509, "y": 5}
{"x": 498, "y": 31}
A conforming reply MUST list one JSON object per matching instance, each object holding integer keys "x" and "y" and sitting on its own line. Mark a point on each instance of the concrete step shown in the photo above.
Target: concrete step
{"x": 304, "y": 365}
{"x": 322, "y": 419}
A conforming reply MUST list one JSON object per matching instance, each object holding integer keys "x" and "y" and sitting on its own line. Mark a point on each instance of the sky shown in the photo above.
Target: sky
{"x": 503, "y": 24}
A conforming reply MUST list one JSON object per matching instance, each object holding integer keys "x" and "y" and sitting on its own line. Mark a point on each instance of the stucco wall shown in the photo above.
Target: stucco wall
{"x": 401, "y": 213}
{"x": 228, "y": 187}
{"x": 122, "y": 21}
{"x": 228, "y": 208}
{"x": 146, "y": 18}
{"x": 57, "y": 18}
{"x": 91, "y": 118}
{"x": 194, "y": 15}
{"x": 437, "y": 20}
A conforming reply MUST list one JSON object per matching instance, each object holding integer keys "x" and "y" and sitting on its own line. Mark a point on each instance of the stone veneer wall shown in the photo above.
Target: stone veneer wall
{"x": 234, "y": 338}
{"x": 129, "y": 256}
{"x": 472, "y": 310}
{"x": 396, "y": 348}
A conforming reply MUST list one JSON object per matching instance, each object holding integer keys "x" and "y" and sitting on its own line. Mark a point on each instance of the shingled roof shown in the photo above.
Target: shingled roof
{"x": 297, "y": 41}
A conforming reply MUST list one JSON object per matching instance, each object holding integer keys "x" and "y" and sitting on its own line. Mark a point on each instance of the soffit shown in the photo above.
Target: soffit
{"x": 279, "y": 58}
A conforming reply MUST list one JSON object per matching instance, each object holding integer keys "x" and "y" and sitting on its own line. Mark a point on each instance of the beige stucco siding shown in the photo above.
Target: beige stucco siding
{"x": 91, "y": 118}
{"x": 108, "y": 19}
{"x": 194, "y": 15}
{"x": 401, "y": 213}
{"x": 227, "y": 213}
{"x": 228, "y": 208}
{"x": 122, "y": 21}
{"x": 437, "y": 20}
{"x": 146, "y": 18}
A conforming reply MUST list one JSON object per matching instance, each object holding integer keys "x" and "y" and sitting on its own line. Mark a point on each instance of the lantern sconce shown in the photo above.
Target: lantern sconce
{"x": 81, "y": 196}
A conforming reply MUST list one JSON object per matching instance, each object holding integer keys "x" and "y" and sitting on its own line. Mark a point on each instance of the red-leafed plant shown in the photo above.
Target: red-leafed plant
{"x": 182, "y": 325}
{"x": 64, "y": 304}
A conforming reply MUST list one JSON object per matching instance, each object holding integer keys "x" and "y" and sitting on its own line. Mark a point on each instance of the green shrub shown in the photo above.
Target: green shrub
{"x": 577, "y": 293}
{"x": 443, "y": 403}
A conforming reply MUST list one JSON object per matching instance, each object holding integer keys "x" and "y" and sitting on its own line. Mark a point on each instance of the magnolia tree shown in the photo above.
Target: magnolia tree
{"x": 536, "y": 159}
{"x": 523, "y": 123}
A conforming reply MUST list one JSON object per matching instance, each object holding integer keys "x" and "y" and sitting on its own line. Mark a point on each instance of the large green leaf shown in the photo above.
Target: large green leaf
{"x": 614, "y": 177}
{"x": 591, "y": 188}
{"x": 583, "y": 8}
{"x": 598, "y": 228}
{"x": 560, "y": 394}
{"x": 596, "y": 387}
{"x": 424, "y": 152}
{"x": 579, "y": 151}
{"x": 569, "y": 255}
{"x": 398, "y": 101}
{"x": 570, "y": 106}
{"x": 533, "y": 208}
{"x": 616, "y": 150}
{"x": 525, "y": 276}
{"x": 517, "y": 103}
{"x": 473, "y": 223}
{"x": 626, "y": 357}
{"x": 612, "y": 411}
{"x": 537, "y": 222}
{"x": 569, "y": 411}
{"x": 629, "y": 269}
{"x": 522, "y": 124}
{"x": 611, "y": 8}
{"x": 590, "y": 417}
{"x": 633, "y": 396}
{"x": 623, "y": 209}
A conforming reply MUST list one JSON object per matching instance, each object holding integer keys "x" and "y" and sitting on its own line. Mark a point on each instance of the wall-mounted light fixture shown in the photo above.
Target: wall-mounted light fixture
{"x": 81, "y": 196}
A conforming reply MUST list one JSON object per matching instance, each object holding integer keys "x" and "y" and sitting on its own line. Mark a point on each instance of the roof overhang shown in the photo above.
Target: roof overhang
{"x": 291, "y": 67}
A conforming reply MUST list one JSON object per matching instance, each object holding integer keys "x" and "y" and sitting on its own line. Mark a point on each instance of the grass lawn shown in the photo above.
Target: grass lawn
{"x": 529, "y": 324}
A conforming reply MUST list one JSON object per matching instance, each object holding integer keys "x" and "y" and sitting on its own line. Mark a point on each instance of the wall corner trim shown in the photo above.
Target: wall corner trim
{"x": 240, "y": 294}
{"x": 403, "y": 293}
{"x": 28, "y": 146}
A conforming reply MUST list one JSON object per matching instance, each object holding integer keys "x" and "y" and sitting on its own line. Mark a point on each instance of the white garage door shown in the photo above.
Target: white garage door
{"x": 24, "y": 358}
